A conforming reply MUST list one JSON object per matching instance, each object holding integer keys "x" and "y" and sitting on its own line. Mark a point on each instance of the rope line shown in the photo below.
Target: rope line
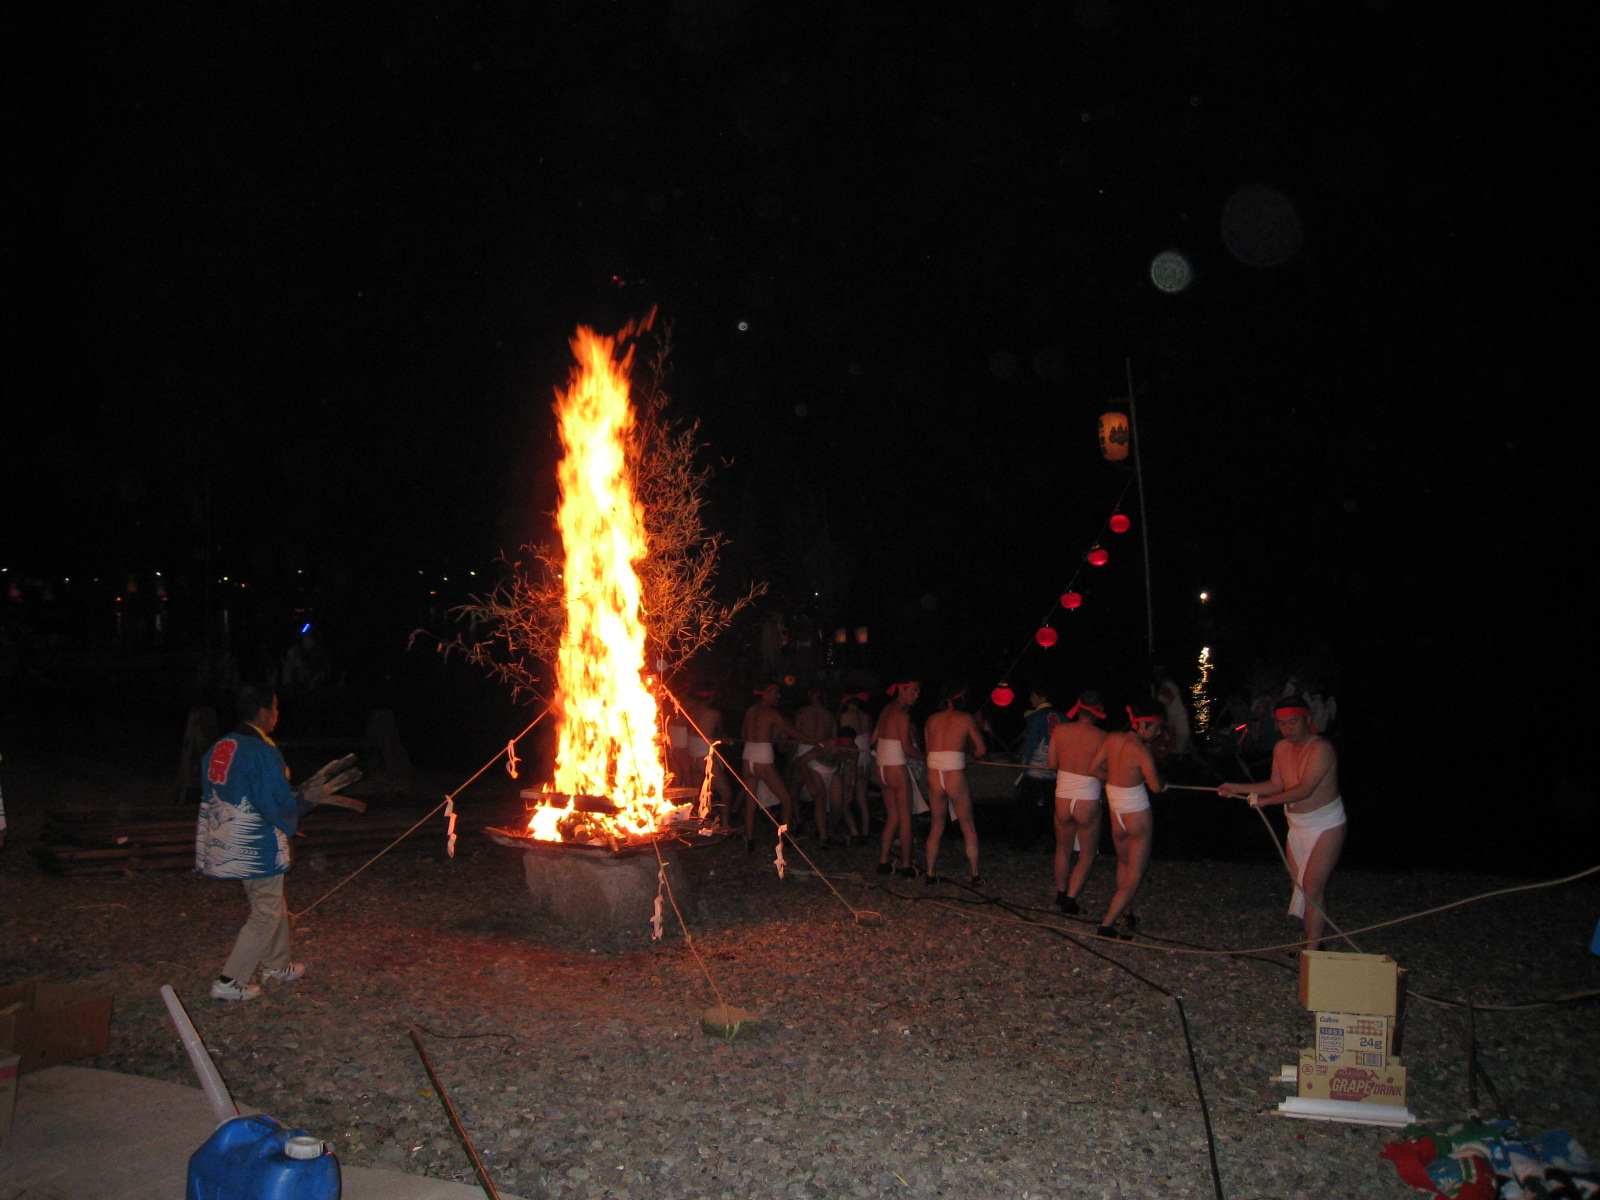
{"x": 688, "y": 937}
{"x": 815, "y": 870}
{"x": 448, "y": 800}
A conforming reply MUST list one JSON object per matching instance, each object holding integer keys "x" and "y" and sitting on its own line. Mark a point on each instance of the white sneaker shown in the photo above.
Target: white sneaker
{"x": 231, "y": 989}
{"x": 286, "y": 974}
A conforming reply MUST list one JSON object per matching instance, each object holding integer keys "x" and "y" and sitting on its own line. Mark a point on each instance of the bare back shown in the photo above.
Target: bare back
{"x": 705, "y": 719}
{"x": 761, "y": 722}
{"x": 952, "y": 730}
{"x": 894, "y": 725}
{"x": 1127, "y": 762}
{"x": 816, "y": 722}
{"x": 1073, "y": 746}
{"x": 856, "y": 718}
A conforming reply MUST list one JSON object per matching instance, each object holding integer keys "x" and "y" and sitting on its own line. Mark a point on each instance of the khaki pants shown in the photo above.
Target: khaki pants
{"x": 264, "y": 939}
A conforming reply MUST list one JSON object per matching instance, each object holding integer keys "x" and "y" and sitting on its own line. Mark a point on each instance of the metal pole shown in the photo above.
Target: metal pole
{"x": 450, "y": 1111}
{"x": 1144, "y": 515}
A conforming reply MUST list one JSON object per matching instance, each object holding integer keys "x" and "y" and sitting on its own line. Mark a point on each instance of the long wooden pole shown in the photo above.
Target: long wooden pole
{"x": 478, "y": 1168}
{"x": 1144, "y": 516}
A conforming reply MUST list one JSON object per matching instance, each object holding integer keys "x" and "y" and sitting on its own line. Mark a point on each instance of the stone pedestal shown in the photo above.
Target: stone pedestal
{"x": 601, "y": 892}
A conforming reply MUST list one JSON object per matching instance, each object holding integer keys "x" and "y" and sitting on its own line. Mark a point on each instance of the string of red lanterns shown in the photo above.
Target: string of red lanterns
{"x": 1046, "y": 635}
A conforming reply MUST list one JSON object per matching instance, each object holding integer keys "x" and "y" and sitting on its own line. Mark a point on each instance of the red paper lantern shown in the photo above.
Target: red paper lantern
{"x": 1002, "y": 696}
{"x": 1120, "y": 523}
{"x": 1098, "y": 557}
{"x": 1071, "y": 600}
{"x": 1045, "y": 636}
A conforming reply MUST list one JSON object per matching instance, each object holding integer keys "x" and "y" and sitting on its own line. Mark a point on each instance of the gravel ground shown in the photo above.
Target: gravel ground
{"x": 949, "y": 1051}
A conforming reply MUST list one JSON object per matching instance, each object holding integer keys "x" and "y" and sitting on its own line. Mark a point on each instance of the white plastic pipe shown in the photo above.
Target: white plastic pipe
{"x": 222, "y": 1105}
{"x": 1352, "y": 1111}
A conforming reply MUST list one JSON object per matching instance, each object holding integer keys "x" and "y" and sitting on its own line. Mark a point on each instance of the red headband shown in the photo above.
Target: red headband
{"x": 853, "y": 696}
{"x": 1133, "y": 720}
{"x": 762, "y": 691}
{"x": 1291, "y": 710}
{"x": 1088, "y": 708}
{"x": 895, "y": 687}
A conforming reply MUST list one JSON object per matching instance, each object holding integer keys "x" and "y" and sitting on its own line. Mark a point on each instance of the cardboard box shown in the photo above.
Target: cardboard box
{"x": 1349, "y": 1081}
{"x": 8, "y": 1099}
{"x": 48, "y": 1023}
{"x": 1349, "y": 983}
{"x": 1358, "y": 1038}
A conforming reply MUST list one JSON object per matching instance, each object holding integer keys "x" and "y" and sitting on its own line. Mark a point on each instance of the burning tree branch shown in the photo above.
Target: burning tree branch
{"x": 514, "y": 631}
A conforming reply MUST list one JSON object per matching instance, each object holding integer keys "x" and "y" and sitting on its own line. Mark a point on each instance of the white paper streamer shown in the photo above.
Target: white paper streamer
{"x": 656, "y": 921}
{"x": 511, "y": 759}
{"x": 778, "y": 862}
{"x": 704, "y": 809}
{"x": 450, "y": 831}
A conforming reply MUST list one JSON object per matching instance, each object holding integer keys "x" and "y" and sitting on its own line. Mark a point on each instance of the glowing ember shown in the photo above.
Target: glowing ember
{"x": 608, "y": 726}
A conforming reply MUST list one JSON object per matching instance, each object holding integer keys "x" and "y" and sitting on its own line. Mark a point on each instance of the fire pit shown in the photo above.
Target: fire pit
{"x": 591, "y": 841}
{"x": 591, "y": 881}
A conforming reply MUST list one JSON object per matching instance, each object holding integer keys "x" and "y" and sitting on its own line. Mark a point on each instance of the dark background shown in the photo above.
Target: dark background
{"x": 293, "y": 293}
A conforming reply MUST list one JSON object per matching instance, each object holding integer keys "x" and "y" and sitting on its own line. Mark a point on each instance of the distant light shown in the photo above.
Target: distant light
{"x": 1170, "y": 271}
{"x": 1204, "y": 596}
{"x": 306, "y": 628}
{"x": 744, "y": 326}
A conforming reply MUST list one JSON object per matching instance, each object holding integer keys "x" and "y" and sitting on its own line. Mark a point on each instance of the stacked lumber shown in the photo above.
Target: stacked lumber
{"x": 109, "y": 841}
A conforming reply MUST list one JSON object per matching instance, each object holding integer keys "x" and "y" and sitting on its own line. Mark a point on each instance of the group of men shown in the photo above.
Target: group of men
{"x": 835, "y": 752}
{"x": 1079, "y": 767}
{"x": 249, "y": 812}
{"x": 1092, "y": 765}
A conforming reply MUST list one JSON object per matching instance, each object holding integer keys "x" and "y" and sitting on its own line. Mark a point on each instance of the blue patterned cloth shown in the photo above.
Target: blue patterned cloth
{"x": 247, "y": 811}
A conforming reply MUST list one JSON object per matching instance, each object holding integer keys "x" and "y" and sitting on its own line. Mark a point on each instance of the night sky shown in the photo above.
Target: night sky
{"x": 295, "y": 295}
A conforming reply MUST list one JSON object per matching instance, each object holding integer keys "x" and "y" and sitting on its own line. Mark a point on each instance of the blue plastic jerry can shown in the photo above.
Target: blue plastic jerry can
{"x": 257, "y": 1158}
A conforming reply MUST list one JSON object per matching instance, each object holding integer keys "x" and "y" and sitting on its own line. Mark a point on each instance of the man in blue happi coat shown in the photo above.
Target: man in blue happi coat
{"x": 248, "y": 813}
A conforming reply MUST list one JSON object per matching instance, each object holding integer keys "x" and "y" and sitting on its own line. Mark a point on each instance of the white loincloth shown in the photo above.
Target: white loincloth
{"x": 890, "y": 753}
{"x": 764, "y": 795}
{"x": 1128, "y": 799}
{"x": 678, "y": 736}
{"x": 1305, "y": 828}
{"x": 698, "y": 747}
{"x": 758, "y": 752}
{"x": 820, "y": 767}
{"x": 1070, "y": 786}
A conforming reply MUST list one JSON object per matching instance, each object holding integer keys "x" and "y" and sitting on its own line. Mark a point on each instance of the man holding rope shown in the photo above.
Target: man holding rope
{"x": 948, "y": 733}
{"x": 1079, "y": 791}
{"x": 762, "y": 725}
{"x": 892, "y": 745}
{"x": 1125, "y": 762}
{"x": 1305, "y": 780}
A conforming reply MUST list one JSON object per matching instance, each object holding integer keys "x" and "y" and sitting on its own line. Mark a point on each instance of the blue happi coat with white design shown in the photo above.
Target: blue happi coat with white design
{"x": 247, "y": 811}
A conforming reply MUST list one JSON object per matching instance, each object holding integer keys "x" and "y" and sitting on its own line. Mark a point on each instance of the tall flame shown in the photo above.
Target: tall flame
{"x": 608, "y": 738}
